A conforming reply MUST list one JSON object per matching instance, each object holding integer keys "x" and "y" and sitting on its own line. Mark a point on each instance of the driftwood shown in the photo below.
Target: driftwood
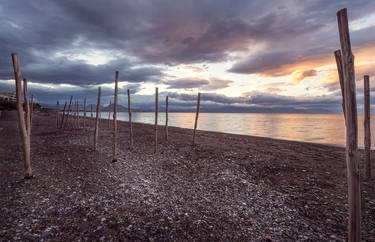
{"x": 196, "y": 116}
{"x": 130, "y": 121}
{"x": 156, "y": 119}
{"x": 367, "y": 126}
{"x": 109, "y": 114}
{"x": 341, "y": 77}
{"x": 354, "y": 191}
{"x": 21, "y": 118}
{"x": 115, "y": 121}
{"x": 96, "y": 132}
{"x": 166, "y": 118}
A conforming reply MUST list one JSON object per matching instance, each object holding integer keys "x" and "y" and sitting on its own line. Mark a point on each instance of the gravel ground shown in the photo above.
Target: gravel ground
{"x": 227, "y": 187}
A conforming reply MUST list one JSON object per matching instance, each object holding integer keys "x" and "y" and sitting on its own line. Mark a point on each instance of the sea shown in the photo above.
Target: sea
{"x": 316, "y": 128}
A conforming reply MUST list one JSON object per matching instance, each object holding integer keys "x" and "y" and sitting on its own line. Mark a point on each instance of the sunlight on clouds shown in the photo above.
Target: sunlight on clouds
{"x": 363, "y": 23}
{"x": 92, "y": 56}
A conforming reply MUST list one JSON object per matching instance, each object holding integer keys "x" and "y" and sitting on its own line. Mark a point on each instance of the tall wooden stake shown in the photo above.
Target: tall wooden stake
{"x": 69, "y": 109}
{"x": 341, "y": 77}
{"x": 31, "y": 110}
{"x": 84, "y": 113}
{"x": 77, "y": 110}
{"x": 57, "y": 113}
{"x": 130, "y": 121}
{"x": 63, "y": 116}
{"x": 354, "y": 191}
{"x": 115, "y": 121}
{"x": 27, "y": 106}
{"x": 21, "y": 119}
{"x": 367, "y": 126}
{"x": 196, "y": 116}
{"x": 166, "y": 118}
{"x": 109, "y": 114}
{"x": 96, "y": 133}
{"x": 156, "y": 119}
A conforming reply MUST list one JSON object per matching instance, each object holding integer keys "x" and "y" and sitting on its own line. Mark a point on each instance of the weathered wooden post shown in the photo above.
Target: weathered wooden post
{"x": 156, "y": 119}
{"x": 69, "y": 108}
{"x": 21, "y": 118}
{"x": 115, "y": 121}
{"x": 96, "y": 133}
{"x": 109, "y": 114}
{"x": 130, "y": 121}
{"x": 31, "y": 110}
{"x": 166, "y": 118}
{"x": 63, "y": 116}
{"x": 84, "y": 113}
{"x": 27, "y": 106}
{"x": 57, "y": 113}
{"x": 196, "y": 116}
{"x": 367, "y": 126}
{"x": 77, "y": 110}
{"x": 354, "y": 191}
{"x": 341, "y": 77}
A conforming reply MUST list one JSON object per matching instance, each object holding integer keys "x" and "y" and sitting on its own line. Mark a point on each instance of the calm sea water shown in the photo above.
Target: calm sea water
{"x": 317, "y": 128}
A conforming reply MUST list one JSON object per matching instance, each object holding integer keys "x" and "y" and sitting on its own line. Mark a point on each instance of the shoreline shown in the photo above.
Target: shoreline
{"x": 227, "y": 187}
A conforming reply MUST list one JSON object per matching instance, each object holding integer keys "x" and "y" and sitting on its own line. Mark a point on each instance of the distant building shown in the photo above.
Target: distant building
{"x": 8, "y": 96}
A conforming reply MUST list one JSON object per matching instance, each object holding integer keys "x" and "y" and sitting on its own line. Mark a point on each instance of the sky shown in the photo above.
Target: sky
{"x": 243, "y": 56}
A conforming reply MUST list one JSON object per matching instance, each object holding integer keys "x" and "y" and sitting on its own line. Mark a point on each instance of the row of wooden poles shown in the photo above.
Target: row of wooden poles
{"x": 69, "y": 114}
{"x": 345, "y": 66}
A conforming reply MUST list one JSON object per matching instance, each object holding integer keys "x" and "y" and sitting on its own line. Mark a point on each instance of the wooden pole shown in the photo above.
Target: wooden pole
{"x": 130, "y": 121}
{"x": 166, "y": 118}
{"x": 84, "y": 113}
{"x": 367, "y": 126}
{"x": 57, "y": 113}
{"x": 69, "y": 108}
{"x": 109, "y": 114}
{"x": 31, "y": 110}
{"x": 156, "y": 119}
{"x": 21, "y": 119}
{"x": 96, "y": 133}
{"x": 196, "y": 117}
{"x": 92, "y": 120}
{"x": 341, "y": 77}
{"x": 354, "y": 193}
{"x": 115, "y": 121}
{"x": 63, "y": 116}
{"x": 27, "y": 106}
{"x": 77, "y": 110}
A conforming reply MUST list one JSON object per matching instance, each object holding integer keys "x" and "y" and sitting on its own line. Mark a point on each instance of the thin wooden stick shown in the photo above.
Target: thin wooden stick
{"x": 57, "y": 113}
{"x": 27, "y": 106}
{"x": 341, "y": 77}
{"x": 21, "y": 119}
{"x": 166, "y": 118}
{"x": 367, "y": 126}
{"x": 84, "y": 113}
{"x": 156, "y": 119}
{"x": 109, "y": 114}
{"x": 63, "y": 116}
{"x": 130, "y": 121}
{"x": 31, "y": 110}
{"x": 354, "y": 191}
{"x": 196, "y": 117}
{"x": 69, "y": 109}
{"x": 115, "y": 121}
{"x": 96, "y": 133}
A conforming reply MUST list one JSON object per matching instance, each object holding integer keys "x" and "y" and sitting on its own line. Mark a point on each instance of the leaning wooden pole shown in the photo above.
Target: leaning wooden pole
{"x": 57, "y": 113}
{"x": 353, "y": 174}
{"x": 115, "y": 121}
{"x": 166, "y": 118}
{"x": 130, "y": 121}
{"x": 84, "y": 113}
{"x": 63, "y": 116}
{"x": 156, "y": 119}
{"x": 367, "y": 126}
{"x": 21, "y": 119}
{"x": 96, "y": 132}
{"x": 341, "y": 77}
{"x": 196, "y": 117}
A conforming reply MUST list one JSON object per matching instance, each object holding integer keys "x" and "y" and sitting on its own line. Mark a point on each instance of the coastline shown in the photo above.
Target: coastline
{"x": 227, "y": 187}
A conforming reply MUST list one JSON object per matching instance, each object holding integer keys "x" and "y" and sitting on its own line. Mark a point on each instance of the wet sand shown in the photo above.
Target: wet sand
{"x": 227, "y": 187}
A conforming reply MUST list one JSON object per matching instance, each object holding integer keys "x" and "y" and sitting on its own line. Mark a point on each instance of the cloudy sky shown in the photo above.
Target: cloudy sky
{"x": 256, "y": 56}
